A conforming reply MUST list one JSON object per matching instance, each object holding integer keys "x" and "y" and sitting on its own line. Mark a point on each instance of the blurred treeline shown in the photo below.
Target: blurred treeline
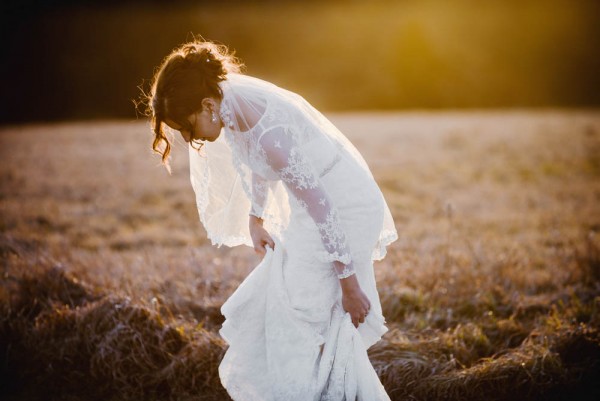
{"x": 85, "y": 59}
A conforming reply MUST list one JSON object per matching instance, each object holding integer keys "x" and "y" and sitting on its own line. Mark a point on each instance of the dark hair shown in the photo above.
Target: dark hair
{"x": 187, "y": 75}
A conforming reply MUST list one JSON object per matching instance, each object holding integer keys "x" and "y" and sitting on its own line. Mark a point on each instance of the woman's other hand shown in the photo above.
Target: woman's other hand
{"x": 260, "y": 237}
{"x": 354, "y": 301}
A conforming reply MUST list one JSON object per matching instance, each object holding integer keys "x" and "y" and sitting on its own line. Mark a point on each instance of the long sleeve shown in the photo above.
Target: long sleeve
{"x": 285, "y": 157}
{"x": 260, "y": 190}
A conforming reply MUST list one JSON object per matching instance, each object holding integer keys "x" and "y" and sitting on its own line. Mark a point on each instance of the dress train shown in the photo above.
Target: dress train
{"x": 280, "y": 352}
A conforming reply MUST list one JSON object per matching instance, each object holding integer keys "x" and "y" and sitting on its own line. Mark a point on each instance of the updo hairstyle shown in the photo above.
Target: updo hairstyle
{"x": 186, "y": 76}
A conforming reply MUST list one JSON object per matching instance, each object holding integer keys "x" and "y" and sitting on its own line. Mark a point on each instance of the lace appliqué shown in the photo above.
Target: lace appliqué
{"x": 259, "y": 196}
{"x": 334, "y": 241}
{"x": 346, "y": 272}
{"x": 298, "y": 172}
{"x": 303, "y": 204}
{"x": 225, "y": 114}
{"x": 330, "y": 230}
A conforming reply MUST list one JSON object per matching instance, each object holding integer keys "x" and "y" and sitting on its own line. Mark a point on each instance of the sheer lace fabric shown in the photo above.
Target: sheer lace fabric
{"x": 281, "y": 160}
{"x": 252, "y": 107}
{"x": 285, "y": 156}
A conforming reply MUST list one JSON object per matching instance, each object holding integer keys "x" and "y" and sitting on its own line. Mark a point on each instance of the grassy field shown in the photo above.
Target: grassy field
{"x": 110, "y": 290}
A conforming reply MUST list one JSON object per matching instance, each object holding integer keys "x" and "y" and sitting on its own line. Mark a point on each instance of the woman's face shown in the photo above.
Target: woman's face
{"x": 205, "y": 124}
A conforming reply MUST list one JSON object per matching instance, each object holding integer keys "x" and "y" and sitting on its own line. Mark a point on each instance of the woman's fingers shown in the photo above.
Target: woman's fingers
{"x": 260, "y": 238}
{"x": 270, "y": 242}
{"x": 357, "y": 305}
{"x": 358, "y": 319}
{"x": 261, "y": 249}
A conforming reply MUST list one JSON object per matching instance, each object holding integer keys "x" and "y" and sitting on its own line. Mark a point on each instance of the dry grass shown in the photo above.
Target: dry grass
{"x": 110, "y": 290}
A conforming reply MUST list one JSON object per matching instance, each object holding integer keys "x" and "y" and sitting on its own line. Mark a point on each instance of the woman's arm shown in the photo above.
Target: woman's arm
{"x": 260, "y": 236}
{"x": 285, "y": 157}
{"x": 260, "y": 189}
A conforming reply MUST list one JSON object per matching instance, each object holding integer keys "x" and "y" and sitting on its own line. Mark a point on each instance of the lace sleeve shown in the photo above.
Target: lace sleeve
{"x": 260, "y": 191}
{"x": 286, "y": 159}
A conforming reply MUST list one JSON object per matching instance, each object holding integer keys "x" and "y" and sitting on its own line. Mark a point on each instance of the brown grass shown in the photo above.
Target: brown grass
{"x": 110, "y": 290}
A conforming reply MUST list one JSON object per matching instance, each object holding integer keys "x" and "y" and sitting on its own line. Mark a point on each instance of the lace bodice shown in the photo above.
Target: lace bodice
{"x": 278, "y": 156}
{"x": 275, "y": 150}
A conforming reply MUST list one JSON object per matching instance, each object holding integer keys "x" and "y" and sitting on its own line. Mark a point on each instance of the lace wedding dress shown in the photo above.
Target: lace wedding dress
{"x": 280, "y": 159}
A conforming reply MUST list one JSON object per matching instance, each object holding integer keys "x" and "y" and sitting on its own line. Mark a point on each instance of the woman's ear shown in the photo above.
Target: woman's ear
{"x": 208, "y": 104}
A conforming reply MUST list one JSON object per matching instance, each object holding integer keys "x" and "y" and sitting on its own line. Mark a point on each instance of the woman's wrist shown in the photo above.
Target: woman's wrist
{"x": 344, "y": 270}
{"x": 350, "y": 284}
{"x": 255, "y": 220}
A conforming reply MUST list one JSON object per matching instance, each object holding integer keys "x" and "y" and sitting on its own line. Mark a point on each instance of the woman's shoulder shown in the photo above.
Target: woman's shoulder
{"x": 269, "y": 108}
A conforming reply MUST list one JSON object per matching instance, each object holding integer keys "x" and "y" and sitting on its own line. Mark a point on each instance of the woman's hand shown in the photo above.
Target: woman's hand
{"x": 260, "y": 236}
{"x": 354, "y": 301}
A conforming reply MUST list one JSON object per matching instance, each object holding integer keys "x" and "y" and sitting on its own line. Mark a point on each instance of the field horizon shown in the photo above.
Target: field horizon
{"x": 340, "y": 55}
{"x": 110, "y": 289}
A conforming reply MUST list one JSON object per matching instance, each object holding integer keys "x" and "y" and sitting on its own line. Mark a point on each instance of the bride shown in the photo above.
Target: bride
{"x": 270, "y": 171}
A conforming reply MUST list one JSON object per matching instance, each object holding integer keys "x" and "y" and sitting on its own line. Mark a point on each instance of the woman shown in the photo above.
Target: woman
{"x": 283, "y": 179}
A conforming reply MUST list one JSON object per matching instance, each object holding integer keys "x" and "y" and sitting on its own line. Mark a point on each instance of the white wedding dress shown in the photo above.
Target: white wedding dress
{"x": 280, "y": 159}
